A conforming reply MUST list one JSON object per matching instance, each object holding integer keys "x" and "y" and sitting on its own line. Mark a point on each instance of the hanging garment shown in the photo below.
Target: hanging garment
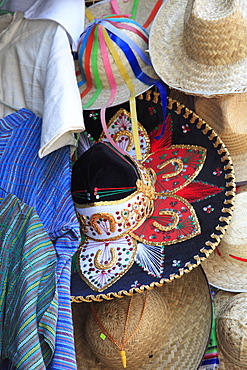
{"x": 37, "y": 72}
{"x": 71, "y": 16}
{"x": 28, "y": 304}
{"x": 45, "y": 185}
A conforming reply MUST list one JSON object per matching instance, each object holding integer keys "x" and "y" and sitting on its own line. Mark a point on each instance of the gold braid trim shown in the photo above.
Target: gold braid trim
{"x": 147, "y": 190}
{"x": 228, "y": 167}
{"x": 225, "y": 219}
{"x": 126, "y": 133}
{"x": 187, "y": 112}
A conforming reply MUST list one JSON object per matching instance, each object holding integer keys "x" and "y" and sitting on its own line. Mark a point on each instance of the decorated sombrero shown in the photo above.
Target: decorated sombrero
{"x": 167, "y": 328}
{"x": 147, "y": 223}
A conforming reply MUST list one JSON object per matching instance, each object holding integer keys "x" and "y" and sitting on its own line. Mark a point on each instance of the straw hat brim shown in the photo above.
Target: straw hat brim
{"x": 123, "y": 92}
{"x": 225, "y": 274}
{"x": 177, "y": 69}
{"x": 222, "y": 270}
{"x": 189, "y": 303}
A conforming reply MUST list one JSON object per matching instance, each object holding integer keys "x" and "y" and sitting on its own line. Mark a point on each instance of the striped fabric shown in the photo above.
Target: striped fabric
{"x": 45, "y": 185}
{"x": 211, "y": 358}
{"x": 28, "y": 296}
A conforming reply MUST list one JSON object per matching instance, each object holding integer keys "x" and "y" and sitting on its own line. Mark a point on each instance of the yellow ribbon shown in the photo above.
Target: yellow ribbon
{"x": 131, "y": 87}
{"x": 89, "y": 15}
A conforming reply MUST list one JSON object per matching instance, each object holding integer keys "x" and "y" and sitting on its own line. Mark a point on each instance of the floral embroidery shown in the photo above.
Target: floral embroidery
{"x": 186, "y": 128}
{"x": 176, "y": 263}
{"x": 151, "y": 110}
{"x": 135, "y": 284}
{"x": 208, "y": 209}
{"x": 120, "y": 129}
{"x": 217, "y": 172}
{"x": 93, "y": 115}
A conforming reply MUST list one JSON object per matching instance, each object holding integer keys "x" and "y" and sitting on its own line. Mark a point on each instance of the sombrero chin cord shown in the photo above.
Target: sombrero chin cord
{"x": 124, "y": 341}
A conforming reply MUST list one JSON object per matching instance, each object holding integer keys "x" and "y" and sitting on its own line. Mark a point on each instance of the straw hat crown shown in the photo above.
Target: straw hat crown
{"x": 231, "y": 327}
{"x": 222, "y": 28}
{"x": 113, "y": 316}
{"x": 112, "y": 52}
{"x": 200, "y": 46}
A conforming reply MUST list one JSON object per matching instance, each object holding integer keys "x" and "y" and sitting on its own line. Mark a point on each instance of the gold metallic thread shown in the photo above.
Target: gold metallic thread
{"x": 172, "y": 226}
{"x": 178, "y": 161}
{"x": 106, "y": 216}
{"x": 108, "y": 265}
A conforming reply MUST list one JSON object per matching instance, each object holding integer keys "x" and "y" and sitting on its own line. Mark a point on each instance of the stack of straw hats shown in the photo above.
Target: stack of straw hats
{"x": 199, "y": 49}
{"x": 163, "y": 322}
{"x": 172, "y": 334}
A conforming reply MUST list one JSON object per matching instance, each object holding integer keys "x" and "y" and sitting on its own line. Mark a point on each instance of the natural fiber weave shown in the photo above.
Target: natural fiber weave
{"x": 227, "y": 116}
{"x": 144, "y": 9}
{"x": 222, "y": 268}
{"x": 200, "y": 47}
{"x": 184, "y": 310}
{"x": 113, "y": 316}
{"x": 232, "y": 332}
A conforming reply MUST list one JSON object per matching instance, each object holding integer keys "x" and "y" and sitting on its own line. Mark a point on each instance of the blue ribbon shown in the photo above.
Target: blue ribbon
{"x": 143, "y": 77}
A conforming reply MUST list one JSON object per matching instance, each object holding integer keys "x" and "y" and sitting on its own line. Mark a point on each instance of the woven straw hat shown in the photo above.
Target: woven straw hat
{"x": 172, "y": 335}
{"x": 231, "y": 329}
{"x": 226, "y": 267}
{"x": 142, "y": 11}
{"x": 113, "y": 64}
{"x": 227, "y": 116}
{"x": 200, "y": 46}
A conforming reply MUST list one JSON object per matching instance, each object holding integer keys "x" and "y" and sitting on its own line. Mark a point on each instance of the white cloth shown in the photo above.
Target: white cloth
{"x": 69, "y": 14}
{"x": 37, "y": 72}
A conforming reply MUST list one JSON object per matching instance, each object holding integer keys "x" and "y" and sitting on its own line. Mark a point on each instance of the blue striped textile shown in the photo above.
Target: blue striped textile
{"x": 28, "y": 296}
{"x": 45, "y": 185}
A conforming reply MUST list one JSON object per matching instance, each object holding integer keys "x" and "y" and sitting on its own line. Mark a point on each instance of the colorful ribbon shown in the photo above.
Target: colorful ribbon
{"x": 107, "y": 33}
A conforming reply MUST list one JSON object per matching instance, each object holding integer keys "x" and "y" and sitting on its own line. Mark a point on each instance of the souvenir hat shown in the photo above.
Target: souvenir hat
{"x": 113, "y": 63}
{"x": 160, "y": 221}
{"x": 231, "y": 331}
{"x": 171, "y": 326}
{"x": 227, "y": 116}
{"x": 113, "y": 67}
{"x": 200, "y": 47}
{"x": 142, "y": 11}
{"x": 226, "y": 267}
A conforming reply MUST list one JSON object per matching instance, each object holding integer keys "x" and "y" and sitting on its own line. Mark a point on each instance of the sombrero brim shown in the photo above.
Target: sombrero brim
{"x": 190, "y": 306}
{"x": 177, "y": 69}
{"x": 225, "y": 364}
{"x": 181, "y": 257}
